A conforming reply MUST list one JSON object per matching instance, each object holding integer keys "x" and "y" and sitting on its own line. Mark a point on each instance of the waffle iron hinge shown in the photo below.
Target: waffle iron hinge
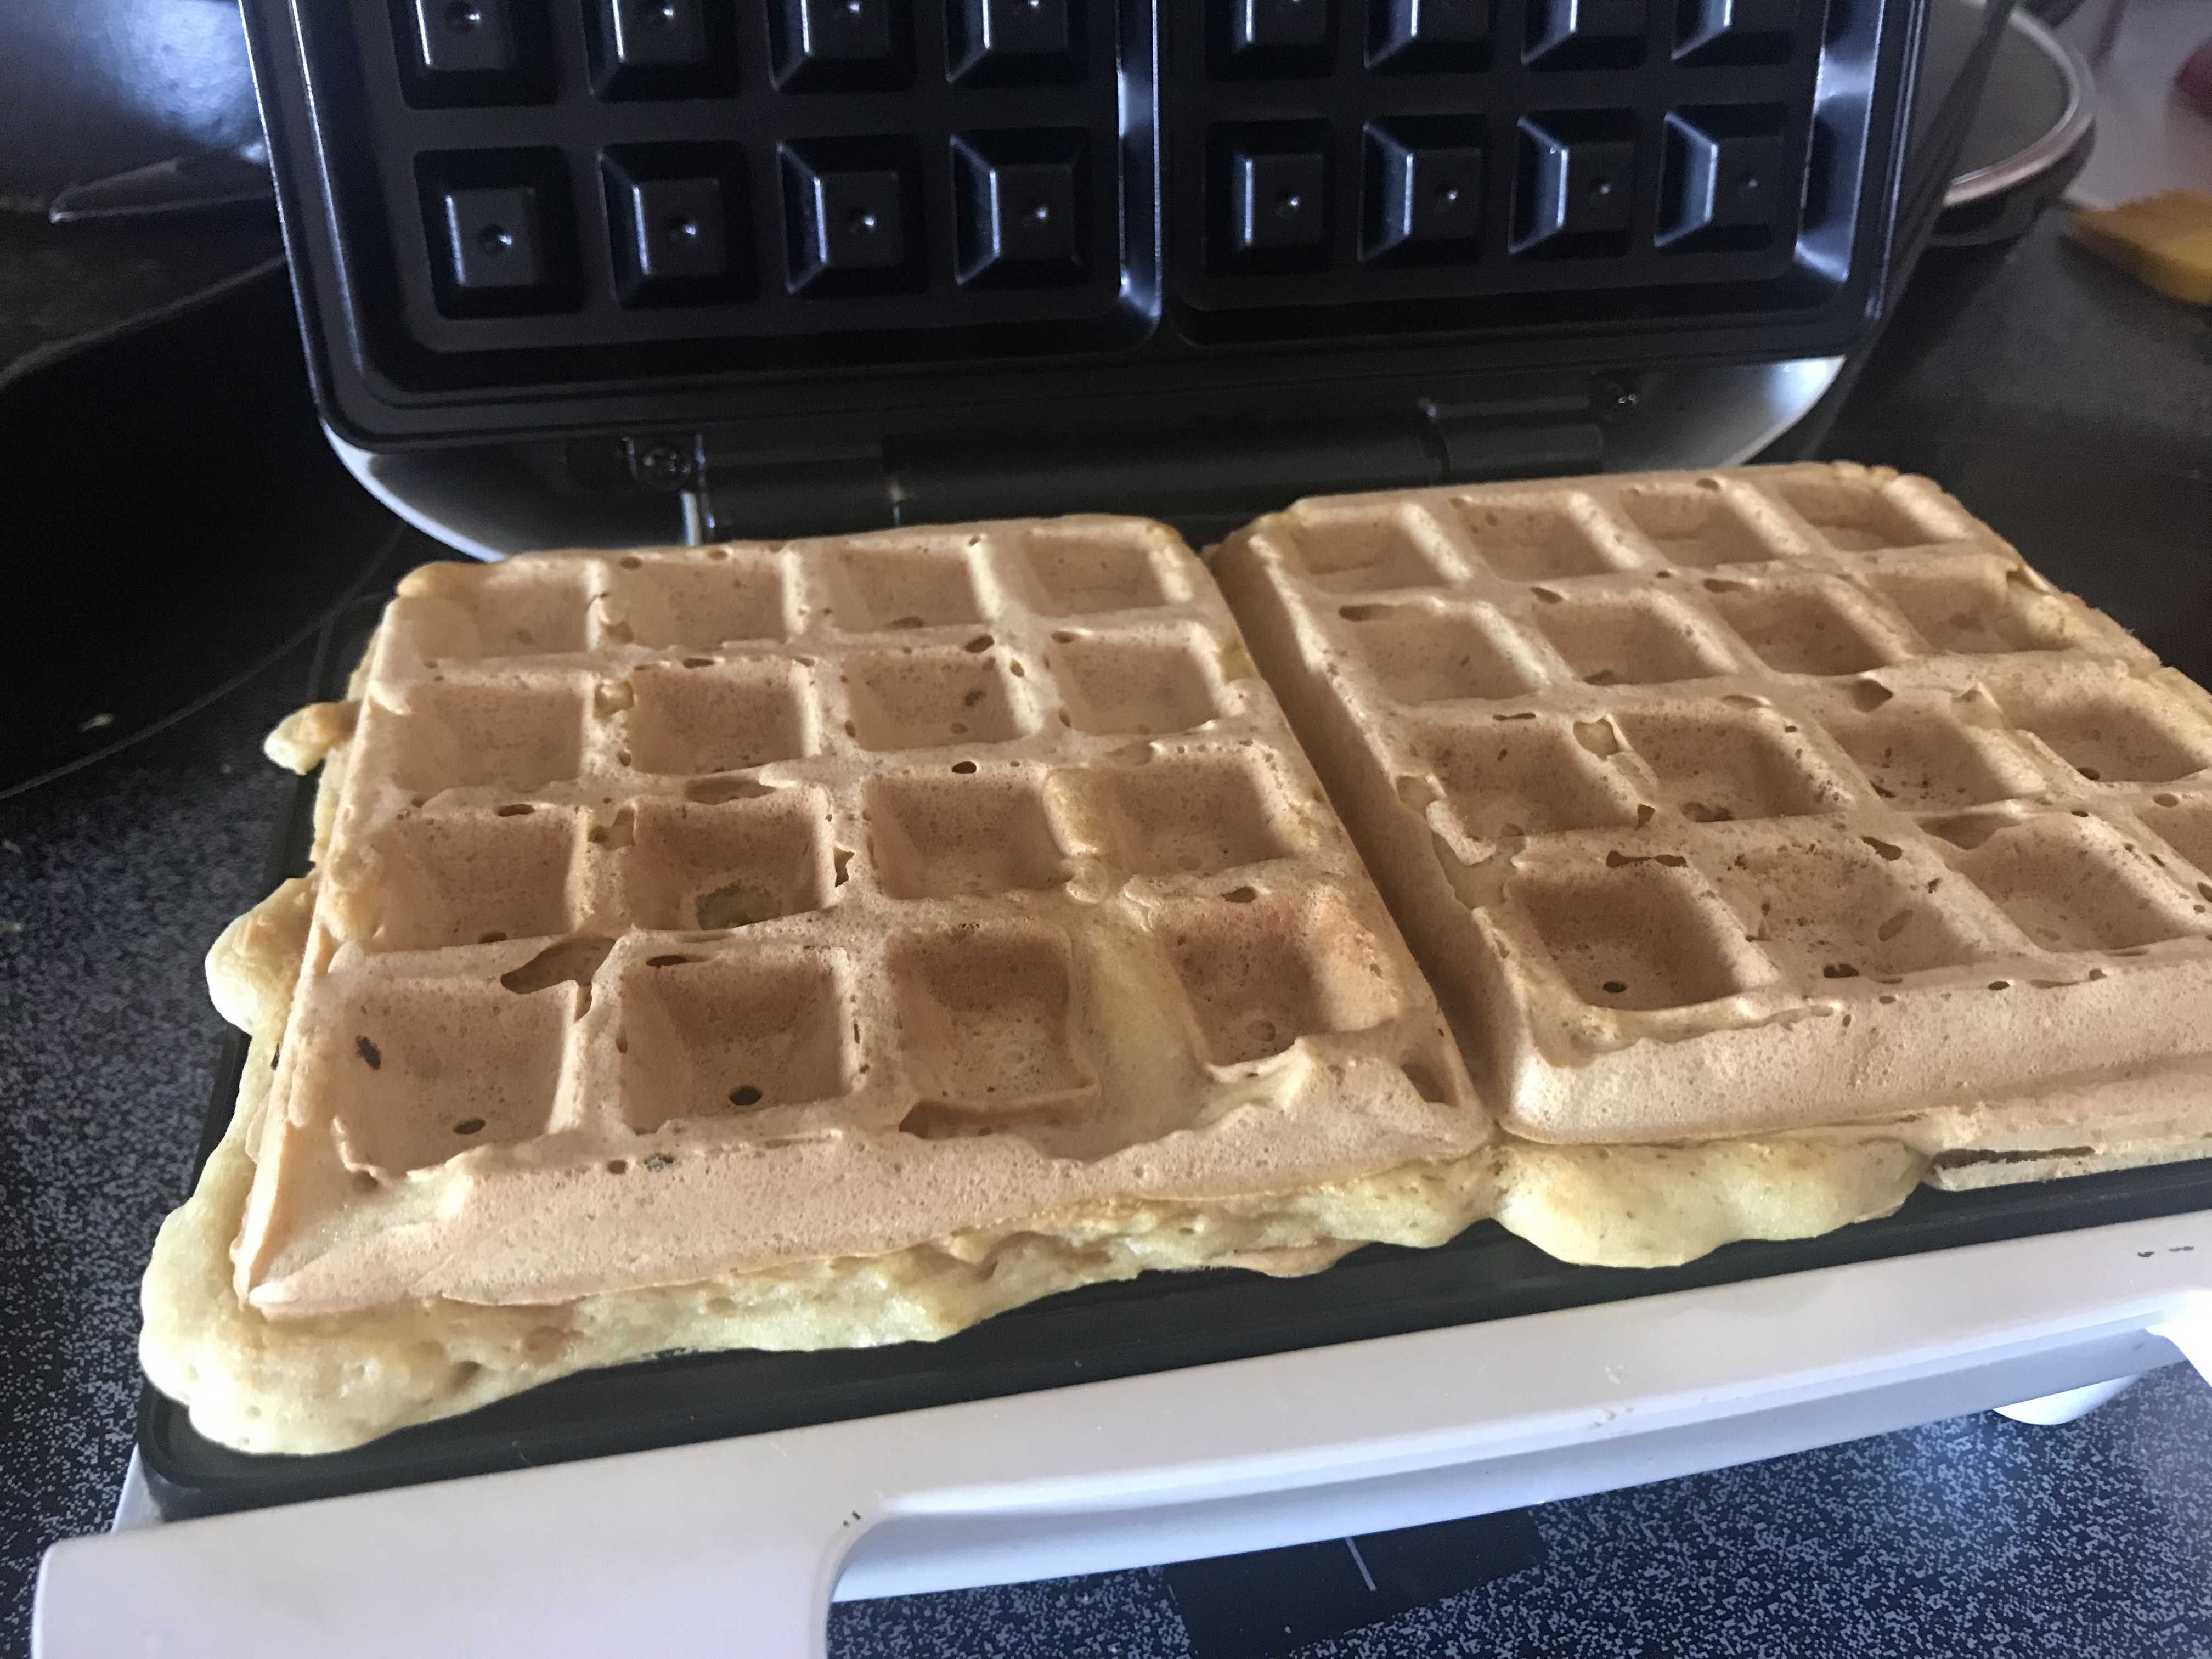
{"x": 1206, "y": 478}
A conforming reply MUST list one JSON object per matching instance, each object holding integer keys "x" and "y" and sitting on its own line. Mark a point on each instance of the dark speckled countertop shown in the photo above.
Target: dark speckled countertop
{"x": 2070, "y": 408}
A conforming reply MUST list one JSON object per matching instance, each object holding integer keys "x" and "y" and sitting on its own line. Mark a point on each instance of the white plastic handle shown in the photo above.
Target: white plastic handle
{"x": 734, "y": 1547}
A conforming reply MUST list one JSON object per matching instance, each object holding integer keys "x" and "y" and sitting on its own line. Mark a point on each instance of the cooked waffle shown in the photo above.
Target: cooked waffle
{"x": 707, "y": 928}
{"x": 1758, "y": 802}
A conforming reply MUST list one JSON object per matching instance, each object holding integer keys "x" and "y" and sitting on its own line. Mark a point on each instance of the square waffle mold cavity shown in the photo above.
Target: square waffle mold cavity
{"x": 698, "y": 911}
{"x": 582, "y": 197}
{"x": 1755, "y": 801}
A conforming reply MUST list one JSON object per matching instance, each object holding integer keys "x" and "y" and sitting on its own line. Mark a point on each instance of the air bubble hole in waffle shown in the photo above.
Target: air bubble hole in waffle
{"x": 1752, "y": 802}
{"x": 687, "y": 912}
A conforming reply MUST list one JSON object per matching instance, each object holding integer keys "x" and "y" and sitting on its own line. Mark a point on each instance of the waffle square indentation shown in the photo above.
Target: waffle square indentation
{"x": 419, "y": 1071}
{"x": 537, "y": 609}
{"x": 680, "y": 218}
{"x": 873, "y": 588}
{"x": 1260, "y": 975}
{"x": 2074, "y": 884}
{"x": 1112, "y": 686}
{"x": 840, "y": 45}
{"x": 2122, "y": 733}
{"x": 852, "y": 214}
{"x": 1926, "y": 762}
{"x": 1830, "y": 904}
{"x": 1024, "y": 206}
{"x": 1366, "y": 551}
{"x": 1718, "y": 762}
{"x": 1192, "y": 814}
{"x": 1508, "y": 778}
{"x": 943, "y": 837}
{"x": 1428, "y": 654}
{"x": 1641, "y": 642}
{"x": 726, "y": 865}
{"x": 927, "y": 700}
{"x": 1428, "y": 37}
{"x": 1639, "y": 935}
{"x": 986, "y": 1027}
{"x": 425, "y": 882}
{"x": 462, "y": 734}
{"x": 721, "y": 718}
{"x": 1694, "y": 526}
{"x": 710, "y": 1037}
{"x": 2185, "y": 823}
{"x": 1973, "y": 607}
{"x": 1075, "y": 570}
{"x": 1530, "y": 542}
{"x": 1422, "y": 189}
{"x": 1853, "y": 515}
{"x": 738, "y": 595}
{"x": 501, "y": 231}
{"x": 1014, "y": 42}
{"x": 660, "y": 49}
{"x": 1800, "y": 629}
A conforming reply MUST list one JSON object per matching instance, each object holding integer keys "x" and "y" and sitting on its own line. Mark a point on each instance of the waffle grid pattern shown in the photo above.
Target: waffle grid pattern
{"x": 1697, "y": 750}
{"x": 806, "y": 840}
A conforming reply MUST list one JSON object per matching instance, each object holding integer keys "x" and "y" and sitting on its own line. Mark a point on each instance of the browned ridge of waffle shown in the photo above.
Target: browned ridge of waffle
{"x": 1757, "y": 801}
{"x": 697, "y": 910}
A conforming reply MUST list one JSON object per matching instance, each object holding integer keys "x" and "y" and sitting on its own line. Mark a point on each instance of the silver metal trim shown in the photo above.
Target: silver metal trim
{"x": 2046, "y": 152}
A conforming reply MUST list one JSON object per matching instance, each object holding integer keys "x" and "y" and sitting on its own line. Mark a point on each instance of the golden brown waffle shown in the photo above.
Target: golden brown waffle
{"x": 1760, "y": 801}
{"x": 705, "y": 912}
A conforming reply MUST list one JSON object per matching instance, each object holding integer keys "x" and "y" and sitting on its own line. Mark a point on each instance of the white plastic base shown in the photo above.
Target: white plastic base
{"x": 738, "y": 1546}
{"x": 2067, "y": 1406}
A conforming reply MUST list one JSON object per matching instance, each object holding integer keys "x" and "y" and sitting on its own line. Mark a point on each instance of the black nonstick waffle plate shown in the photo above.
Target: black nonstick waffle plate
{"x": 1158, "y": 1322}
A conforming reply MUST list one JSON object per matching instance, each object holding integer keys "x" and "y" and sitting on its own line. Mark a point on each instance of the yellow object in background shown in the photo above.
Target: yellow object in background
{"x": 2165, "y": 240}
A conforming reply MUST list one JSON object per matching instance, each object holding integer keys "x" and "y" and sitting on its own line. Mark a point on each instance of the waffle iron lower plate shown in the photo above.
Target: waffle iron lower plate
{"x": 1158, "y": 1322}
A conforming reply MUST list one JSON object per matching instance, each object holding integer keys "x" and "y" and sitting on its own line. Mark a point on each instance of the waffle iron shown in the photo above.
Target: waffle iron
{"x": 968, "y": 258}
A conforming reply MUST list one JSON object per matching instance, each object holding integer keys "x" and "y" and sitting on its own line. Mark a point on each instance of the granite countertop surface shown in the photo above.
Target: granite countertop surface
{"x": 2006, "y": 374}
